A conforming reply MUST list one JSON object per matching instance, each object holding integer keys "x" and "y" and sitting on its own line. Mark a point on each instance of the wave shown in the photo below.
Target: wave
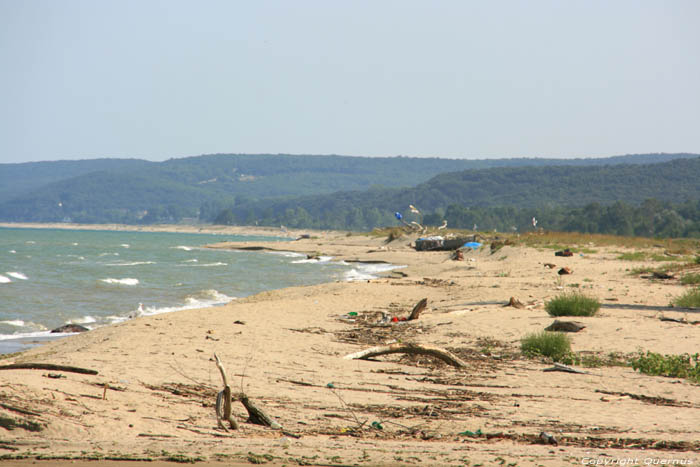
{"x": 125, "y": 281}
{"x": 125, "y": 245}
{"x": 319, "y": 259}
{"x": 182, "y": 247}
{"x": 14, "y": 252}
{"x": 17, "y": 275}
{"x": 15, "y": 322}
{"x": 286, "y": 254}
{"x": 210, "y": 264}
{"x": 201, "y": 299}
{"x": 133, "y": 263}
{"x": 4, "y": 280}
{"x": 367, "y": 271}
{"x": 107, "y": 254}
{"x": 84, "y": 320}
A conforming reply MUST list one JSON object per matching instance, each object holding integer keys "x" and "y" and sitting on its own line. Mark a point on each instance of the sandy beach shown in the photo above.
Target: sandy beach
{"x": 155, "y": 392}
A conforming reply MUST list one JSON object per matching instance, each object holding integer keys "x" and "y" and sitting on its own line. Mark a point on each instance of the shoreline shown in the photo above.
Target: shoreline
{"x": 157, "y": 382}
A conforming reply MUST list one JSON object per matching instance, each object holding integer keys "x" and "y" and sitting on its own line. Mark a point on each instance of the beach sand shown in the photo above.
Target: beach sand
{"x": 154, "y": 396}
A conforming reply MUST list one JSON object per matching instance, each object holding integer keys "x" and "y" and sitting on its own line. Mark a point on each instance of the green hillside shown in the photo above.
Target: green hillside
{"x": 263, "y": 188}
{"x": 527, "y": 188}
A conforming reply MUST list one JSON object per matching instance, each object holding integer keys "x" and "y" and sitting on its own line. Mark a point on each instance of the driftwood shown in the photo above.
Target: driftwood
{"x": 47, "y": 366}
{"x": 411, "y": 349}
{"x": 565, "y": 369}
{"x": 256, "y": 415}
{"x": 224, "y": 413}
{"x": 565, "y": 326}
{"x": 515, "y": 303}
{"x": 420, "y": 306}
{"x": 223, "y": 406}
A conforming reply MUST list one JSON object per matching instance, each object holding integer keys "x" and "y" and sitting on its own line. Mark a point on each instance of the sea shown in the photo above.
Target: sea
{"x": 52, "y": 277}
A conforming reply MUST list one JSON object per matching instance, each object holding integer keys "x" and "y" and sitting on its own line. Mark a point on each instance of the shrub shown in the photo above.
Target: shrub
{"x": 572, "y": 304}
{"x": 690, "y": 299}
{"x": 555, "y": 345}
{"x": 673, "y": 366}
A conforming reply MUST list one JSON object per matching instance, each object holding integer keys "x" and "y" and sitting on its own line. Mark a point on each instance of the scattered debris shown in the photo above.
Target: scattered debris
{"x": 563, "y": 271}
{"x": 662, "y": 275}
{"x": 566, "y": 253}
{"x": 565, "y": 326}
{"x": 550, "y": 265}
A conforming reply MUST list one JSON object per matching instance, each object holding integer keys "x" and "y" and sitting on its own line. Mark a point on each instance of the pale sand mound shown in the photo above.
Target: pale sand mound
{"x": 162, "y": 379}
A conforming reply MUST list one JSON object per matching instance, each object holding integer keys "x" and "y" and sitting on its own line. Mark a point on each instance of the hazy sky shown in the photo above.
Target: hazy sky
{"x": 475, "y": 79}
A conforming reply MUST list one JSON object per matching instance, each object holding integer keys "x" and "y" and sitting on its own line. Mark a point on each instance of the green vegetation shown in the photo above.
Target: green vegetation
{"x": 555, "y": 345}
{"x": 673, "y": 366}
{"x": 690, "y": 299}
{"x": 690, "y": 279}
{"x": 572, "y": 304}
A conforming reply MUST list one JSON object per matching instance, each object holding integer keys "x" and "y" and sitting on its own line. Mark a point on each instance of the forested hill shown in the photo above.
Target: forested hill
{"x": 525, "y": 187}
{"x": 19, "y": 179}
{"x": 202, "y": 187}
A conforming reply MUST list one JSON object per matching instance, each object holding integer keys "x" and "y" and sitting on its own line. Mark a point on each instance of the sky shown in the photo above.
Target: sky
{"x": 458, "y": 79}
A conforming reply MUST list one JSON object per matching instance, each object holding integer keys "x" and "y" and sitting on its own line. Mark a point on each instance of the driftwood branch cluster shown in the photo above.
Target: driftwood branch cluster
{"x": 224, "y": 410}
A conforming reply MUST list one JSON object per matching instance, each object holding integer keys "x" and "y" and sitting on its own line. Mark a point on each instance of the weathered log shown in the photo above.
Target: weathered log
{"x": 565, "y": 326}
{"x": 411, "y": 349}
{"x": 48, "y": 366}
{"x": 420, "y": 306}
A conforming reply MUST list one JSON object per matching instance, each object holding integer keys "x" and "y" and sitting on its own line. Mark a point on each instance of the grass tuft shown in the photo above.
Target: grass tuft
{"x": 555, "y": 345}
{"x": 690, "y": 299}
{"x": 572, "y": 304}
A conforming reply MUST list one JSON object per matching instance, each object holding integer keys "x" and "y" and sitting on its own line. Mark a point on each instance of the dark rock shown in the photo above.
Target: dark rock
{"x": 565, "y": 326}
{"x": 566, "y": 252}
{"x": 70, "y": 328}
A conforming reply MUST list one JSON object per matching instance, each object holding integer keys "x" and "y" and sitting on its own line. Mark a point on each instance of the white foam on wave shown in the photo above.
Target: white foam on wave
{"x": 17, "y": 275}
{"x": 13, "y": 322}
{"x": 182, "y": 247}
{"x": 84, "y": 320}
{"x": 107, "y": 254}
{"x": 202, "y": 299}
{"x": 320, "y": 259}
{"x": 74, "y": 243}
{"x": 125, "y": 245}
{"x": 287, "y": 254}
{"x": 133, "y": 263}
{"x": 367, "y": 271}
{"x": 22, "y": 335}
{"x": 14, "y": 252}
{"x": 30, "y": 242}
{"x": 210, "y": 264}
{"x": 4, "y": 280}
{"x": 191, "y": 261}
{"x": 125, "y": 281}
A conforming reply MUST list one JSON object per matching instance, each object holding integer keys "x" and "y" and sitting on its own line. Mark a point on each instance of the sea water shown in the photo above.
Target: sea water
{"x": 52, "y": 277}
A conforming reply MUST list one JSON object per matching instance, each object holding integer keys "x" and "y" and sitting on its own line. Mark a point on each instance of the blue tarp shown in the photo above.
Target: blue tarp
{"x": 472, "y": 245}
